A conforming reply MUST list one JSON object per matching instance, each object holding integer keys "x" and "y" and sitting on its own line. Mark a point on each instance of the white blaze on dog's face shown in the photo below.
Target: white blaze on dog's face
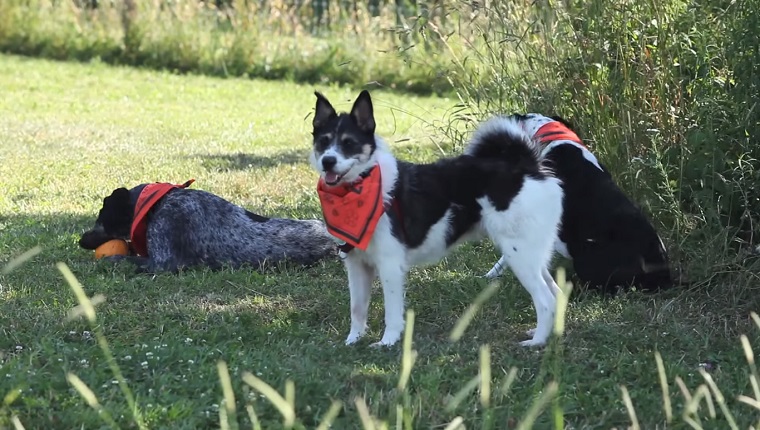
{"x": 344, "y": 144}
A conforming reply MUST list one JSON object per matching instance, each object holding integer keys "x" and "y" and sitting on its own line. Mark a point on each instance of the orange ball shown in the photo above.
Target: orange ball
{"x": 112, "y": 247}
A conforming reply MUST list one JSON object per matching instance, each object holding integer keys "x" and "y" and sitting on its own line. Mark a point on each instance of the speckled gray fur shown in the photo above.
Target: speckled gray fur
{"x": 189, "y": 227}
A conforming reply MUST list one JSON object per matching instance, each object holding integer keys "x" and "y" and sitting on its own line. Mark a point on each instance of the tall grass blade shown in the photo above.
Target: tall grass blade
{"x": 562, "y": 301}
{"x": 468, "y": 315}
{"x": 463, "y": 392}
{"x": 330, "y": 416}
{"x": 508, "y": 381}
{"x": 749, "y": 355}
{"x": 719, "y": 399}
{"x": 408, "y": 354}
{"x": 456, "y": 424}
{"x": 368, "y": 423}
{"x": 629, "y": 407}
{"x": 485, "y": 376}
{"x": 666, "y": 405}
{"x": 21, "y": 259}
{"x": 255, "y": 423}
{"x": 17, "y": 423}
{"x": 229, "y": 397}
{"x": 282, "y": 405}
{"x": 87, "y": 309}
{"x": 535, "y": 409}
{"x": 90, "y": 398}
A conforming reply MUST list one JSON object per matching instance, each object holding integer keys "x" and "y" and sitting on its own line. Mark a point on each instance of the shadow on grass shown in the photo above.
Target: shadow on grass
{"x": 243, "y": 161}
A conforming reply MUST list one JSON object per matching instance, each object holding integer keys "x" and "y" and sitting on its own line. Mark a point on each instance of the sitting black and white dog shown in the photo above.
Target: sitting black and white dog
{"x": 499, "y": 188}
{"x": 186, "y": 228}
{"x": 610, "y": 241}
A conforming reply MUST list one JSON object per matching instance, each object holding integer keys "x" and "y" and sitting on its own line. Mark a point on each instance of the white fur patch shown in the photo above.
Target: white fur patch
{"x": 501, "y": 125}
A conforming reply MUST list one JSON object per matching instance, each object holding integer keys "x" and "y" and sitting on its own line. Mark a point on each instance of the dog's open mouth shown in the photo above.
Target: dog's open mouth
{"x": 332, "y": 178}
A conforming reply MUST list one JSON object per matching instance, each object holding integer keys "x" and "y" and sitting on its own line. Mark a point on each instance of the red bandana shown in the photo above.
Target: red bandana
{"x": 351, "y": 211}
{"x": 555, "y": 130}
{"x": 149, "y": 196}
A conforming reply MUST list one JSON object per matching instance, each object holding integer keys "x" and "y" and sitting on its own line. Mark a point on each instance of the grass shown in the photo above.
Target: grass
{"x": 70, "y": 133}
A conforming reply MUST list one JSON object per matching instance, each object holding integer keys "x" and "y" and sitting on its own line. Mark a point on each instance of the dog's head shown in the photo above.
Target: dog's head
{"x": 114, "y": 220}
{"x": 344, "y": 144}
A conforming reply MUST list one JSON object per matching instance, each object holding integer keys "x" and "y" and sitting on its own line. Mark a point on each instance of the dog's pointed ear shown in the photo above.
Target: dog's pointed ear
{"x": 323, "y": 112}
{"x": 363, "y": 113}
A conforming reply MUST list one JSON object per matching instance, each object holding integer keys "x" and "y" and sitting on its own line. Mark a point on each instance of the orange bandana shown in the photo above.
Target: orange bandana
{"x": 555, "y": 130}
{"x": 351, "y": 211}
{"x": 149, "y": 196}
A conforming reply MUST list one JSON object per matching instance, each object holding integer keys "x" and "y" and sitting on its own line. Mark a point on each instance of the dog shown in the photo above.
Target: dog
{"x": 608, "y": 238}
{"x": 187, "y": 227}
{"x": 393, "y": 214}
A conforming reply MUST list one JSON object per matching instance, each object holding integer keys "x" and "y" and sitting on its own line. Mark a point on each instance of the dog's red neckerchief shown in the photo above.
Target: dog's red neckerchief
{"x": 555, "y": 130}
{"x": 351, "y": 211}
{"x": 149, "y": 196}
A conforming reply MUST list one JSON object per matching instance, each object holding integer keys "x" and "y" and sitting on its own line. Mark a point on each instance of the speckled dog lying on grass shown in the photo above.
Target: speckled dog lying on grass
{"x": 186, "y": 228}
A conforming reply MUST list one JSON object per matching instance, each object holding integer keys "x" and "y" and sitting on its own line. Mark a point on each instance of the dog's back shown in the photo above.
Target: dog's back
{"x": 192, "y": 227}
{"x": 188, "y": 227}
{"x": 608, "y": 237}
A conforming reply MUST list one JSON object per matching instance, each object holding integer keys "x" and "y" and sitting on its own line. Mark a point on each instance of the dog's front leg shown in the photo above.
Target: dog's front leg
{"x": 360, "y": 277}
{"x": 392, "y": 275}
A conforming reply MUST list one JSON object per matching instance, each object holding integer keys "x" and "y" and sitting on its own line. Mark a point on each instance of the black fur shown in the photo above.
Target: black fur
{"x": 426, "y": 191}
{"x": 610, "y": 240}
{"x": 195, "y": 228}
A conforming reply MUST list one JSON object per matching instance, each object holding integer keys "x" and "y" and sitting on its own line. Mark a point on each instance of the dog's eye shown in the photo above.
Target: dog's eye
{"x": 322, "y": 142}
{"x": 347, "y": 141}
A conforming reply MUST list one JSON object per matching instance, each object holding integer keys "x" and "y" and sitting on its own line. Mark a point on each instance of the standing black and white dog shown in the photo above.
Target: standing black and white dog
{"x": 608, "y": 238}
{"x": 498, "y": 188}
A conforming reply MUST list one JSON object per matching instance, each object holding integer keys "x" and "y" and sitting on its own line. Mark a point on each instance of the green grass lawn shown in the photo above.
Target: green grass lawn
{"x": 71, "y": 133}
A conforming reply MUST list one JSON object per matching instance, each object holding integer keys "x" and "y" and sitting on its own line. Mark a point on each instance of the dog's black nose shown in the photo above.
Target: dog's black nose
{"x": 329, "y": 162}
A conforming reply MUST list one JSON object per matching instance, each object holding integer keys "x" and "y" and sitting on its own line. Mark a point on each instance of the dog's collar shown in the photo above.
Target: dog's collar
{"x": 352, "y": 211}
{"x": 149, "y": 196}
{"x": 554, "y": 131}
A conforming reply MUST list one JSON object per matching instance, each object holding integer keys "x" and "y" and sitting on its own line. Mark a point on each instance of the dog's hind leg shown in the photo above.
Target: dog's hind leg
{"x": 497, "y": 268}
{"x": 528, "y": 269}
{"x": 553, "y": 287}
{"x": 360, "y": 277}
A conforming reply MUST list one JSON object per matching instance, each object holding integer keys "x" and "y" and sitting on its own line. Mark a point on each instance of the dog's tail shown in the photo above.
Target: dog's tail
{"x": 504, "y": 138}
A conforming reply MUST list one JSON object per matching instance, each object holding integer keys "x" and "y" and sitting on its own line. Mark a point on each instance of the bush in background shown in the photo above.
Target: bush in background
{"x": 665, "y": 92}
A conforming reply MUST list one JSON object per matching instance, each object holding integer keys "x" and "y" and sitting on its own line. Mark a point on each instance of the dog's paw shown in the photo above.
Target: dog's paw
{"x": 381, "y": 344}
{"x": 389, "y": 339}
{"x": 532, "y": 342}
{"x": 354, "y": 337}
